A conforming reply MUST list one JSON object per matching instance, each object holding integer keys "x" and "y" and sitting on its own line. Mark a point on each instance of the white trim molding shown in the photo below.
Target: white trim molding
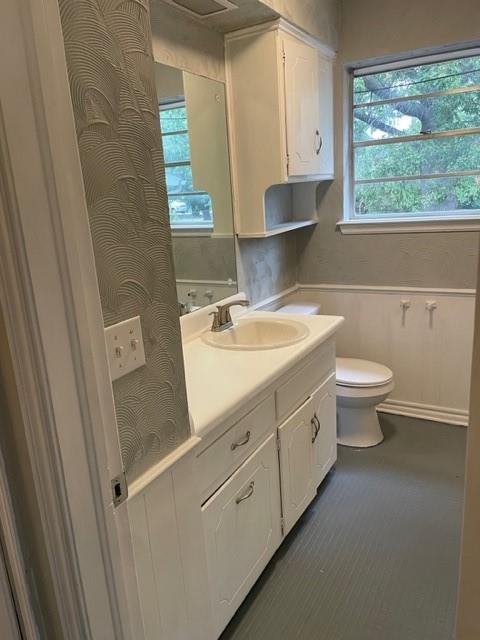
{"x": 394, "y": 290}
{"x": 440, "y": 224}
{"x": 425, "y": 412}
{"x": 11, "y": 554}
{"x": 289, "y": 28}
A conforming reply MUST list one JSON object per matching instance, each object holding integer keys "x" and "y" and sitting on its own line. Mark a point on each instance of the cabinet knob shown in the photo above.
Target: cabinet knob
{"x": 319, "y": 141}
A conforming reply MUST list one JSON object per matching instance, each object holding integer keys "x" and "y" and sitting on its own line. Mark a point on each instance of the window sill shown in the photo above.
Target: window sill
{"x": 192, "y": 232}
{"x": 405, "y": 225}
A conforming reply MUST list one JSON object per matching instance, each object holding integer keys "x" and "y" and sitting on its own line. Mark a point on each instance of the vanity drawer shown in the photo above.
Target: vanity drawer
{"x": 290, "y": 395}
{"x": 226, "y": 454}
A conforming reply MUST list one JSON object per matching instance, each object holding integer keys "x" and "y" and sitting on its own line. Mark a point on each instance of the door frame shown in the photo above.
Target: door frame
{"x": 55, "y": 335}
{"x": 9, "y": 626}
{"x": 17, "y": 617}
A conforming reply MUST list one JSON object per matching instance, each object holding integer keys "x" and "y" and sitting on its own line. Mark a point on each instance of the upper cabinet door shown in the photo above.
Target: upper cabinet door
{"x": 325, "y": 93}
{"x": 302, "y": 106}
{"x": 324, "y": 408}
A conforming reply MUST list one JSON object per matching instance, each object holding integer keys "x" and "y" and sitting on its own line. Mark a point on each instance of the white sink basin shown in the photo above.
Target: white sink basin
{"x": 258, "y": 333}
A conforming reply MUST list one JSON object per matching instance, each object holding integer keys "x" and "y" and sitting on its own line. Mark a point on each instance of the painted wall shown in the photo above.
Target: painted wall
{"x": 186, "y": 44}
{"x": 266, "y": 266}
{"x": 204, "y": 258}
{"x": 318, "y": 17}
{"x": 110, "y": 68}
{"x": 375, "y": 28}
{"x": 468, "y": 620}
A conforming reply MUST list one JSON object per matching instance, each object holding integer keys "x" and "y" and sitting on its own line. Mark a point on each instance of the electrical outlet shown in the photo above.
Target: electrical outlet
{"x": 125, "y": 348}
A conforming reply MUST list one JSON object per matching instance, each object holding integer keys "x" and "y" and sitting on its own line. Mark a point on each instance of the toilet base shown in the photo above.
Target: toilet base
{"x": 358, "y": 427}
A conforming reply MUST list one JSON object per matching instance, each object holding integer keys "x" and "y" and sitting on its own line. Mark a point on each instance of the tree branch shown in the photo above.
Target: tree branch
{"x": 412, "y": 109}
{"x": 375, "y": 122}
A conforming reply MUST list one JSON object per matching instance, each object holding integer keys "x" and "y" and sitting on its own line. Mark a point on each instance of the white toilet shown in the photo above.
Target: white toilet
{"x": 361, "y": 386}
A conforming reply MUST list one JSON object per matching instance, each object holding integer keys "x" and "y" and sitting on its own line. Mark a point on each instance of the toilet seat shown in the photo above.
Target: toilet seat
{"x": 353, "y": 372}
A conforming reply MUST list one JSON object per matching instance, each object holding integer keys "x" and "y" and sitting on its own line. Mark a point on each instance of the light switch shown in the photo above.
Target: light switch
{"x": 124, "y": 347}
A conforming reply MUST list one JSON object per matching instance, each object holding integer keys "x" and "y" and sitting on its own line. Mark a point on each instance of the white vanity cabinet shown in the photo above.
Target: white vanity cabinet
{"x": 308, "y": 450}
{"x": 296, "y": 464}
{"x": 242, "y": 523}
{"x": 280, "y": 90}
{"x": 324, "y": 404}
{"x": 258, "y": 474}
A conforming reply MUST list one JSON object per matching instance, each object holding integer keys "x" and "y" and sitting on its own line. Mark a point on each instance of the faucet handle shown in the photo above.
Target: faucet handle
{"x": 216, "y": 319}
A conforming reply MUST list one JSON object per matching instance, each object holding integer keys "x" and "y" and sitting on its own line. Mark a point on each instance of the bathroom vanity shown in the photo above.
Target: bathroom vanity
{"x": 267, "y": 423}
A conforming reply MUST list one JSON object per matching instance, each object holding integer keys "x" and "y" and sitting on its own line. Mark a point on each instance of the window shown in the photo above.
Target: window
{"x": 189, "y": 208}
{"x": 416, "y": 140}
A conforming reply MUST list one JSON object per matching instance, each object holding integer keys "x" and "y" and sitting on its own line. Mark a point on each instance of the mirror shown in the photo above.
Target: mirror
{"x": 193, "y": 124}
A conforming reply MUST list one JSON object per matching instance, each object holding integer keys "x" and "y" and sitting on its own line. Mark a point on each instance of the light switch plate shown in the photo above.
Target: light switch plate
{"x": 125, "y": 348}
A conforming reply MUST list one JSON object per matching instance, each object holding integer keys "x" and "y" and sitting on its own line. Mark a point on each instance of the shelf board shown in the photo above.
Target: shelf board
{"x": 284, "y": 227}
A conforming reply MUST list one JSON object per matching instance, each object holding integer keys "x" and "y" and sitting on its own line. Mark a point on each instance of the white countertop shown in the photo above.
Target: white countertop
{"x": 221, "y": 381}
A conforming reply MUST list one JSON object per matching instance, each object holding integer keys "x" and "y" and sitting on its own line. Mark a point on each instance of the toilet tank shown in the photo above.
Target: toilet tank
{"x": 302, "y": 308}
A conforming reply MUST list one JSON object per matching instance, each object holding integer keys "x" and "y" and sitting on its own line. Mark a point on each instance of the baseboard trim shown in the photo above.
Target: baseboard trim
{"x": 455, "y": 417}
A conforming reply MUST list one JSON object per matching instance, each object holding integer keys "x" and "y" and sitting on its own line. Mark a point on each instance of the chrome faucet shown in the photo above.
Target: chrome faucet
{"x": 221, "y": 317}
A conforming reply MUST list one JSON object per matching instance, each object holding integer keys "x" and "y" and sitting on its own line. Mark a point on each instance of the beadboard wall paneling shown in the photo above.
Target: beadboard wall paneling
{"x": 429, "y": 352}
{"x": 109, "y": 60}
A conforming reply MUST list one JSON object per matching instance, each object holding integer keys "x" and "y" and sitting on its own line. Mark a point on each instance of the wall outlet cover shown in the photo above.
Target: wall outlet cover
{"x": 125, "y": 349}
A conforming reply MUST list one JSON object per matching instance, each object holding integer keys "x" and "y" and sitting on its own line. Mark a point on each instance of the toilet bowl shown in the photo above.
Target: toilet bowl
{"x": 361, "y": 386}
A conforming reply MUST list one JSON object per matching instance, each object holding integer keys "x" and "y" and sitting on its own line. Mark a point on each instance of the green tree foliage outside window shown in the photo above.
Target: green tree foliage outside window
{"x": 416, "y": 140}
{"x": 188, "y": 207}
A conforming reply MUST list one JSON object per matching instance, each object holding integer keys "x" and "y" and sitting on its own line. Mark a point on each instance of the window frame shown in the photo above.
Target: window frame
{"x": 182, "y": 230}
{"x": 435, "y": 220}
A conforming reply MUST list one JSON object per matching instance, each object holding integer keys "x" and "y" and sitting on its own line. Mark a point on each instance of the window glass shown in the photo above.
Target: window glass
{"x": 416, "y": 140}
{"x": 188, "y": 207}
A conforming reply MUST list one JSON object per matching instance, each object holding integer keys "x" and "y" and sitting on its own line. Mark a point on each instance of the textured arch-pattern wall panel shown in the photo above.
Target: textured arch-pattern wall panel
{"x": 108, "y": 49}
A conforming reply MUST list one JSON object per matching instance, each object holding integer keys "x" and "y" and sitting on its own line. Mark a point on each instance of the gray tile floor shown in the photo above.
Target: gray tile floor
{"x": 375, "y": 557}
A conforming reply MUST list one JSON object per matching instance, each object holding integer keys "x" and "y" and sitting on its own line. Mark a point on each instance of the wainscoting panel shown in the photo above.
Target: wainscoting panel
{"x": 424, "y": 335}
{"x": 169, "y": 549}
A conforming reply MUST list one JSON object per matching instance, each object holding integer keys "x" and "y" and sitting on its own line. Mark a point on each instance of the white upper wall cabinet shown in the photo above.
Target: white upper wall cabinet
{"x": 280, "y": 91}
{"x": 308, "y": 100}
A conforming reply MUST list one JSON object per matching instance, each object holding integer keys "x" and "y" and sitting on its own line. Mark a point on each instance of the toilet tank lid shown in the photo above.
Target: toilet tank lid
{"x": 362, "y": 373}
{"x": 302, "y": 308}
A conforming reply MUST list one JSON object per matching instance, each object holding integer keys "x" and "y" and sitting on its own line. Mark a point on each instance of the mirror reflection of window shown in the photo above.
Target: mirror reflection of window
{"x": 188, "y": 207}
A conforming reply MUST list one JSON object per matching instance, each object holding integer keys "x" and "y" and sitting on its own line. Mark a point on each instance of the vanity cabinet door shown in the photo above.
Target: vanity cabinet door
{"x": 296, "y": 464}
{"x": 242, "y": 530}
{"x": 302, "y": 104}
{"x": 324, "y": 408}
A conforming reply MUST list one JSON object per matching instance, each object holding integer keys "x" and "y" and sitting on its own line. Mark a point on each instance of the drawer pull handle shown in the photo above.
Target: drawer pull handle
{"x": 243, "y": 442}
{"x": 316, "y": 427}
{"x": 248, "y": 494}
